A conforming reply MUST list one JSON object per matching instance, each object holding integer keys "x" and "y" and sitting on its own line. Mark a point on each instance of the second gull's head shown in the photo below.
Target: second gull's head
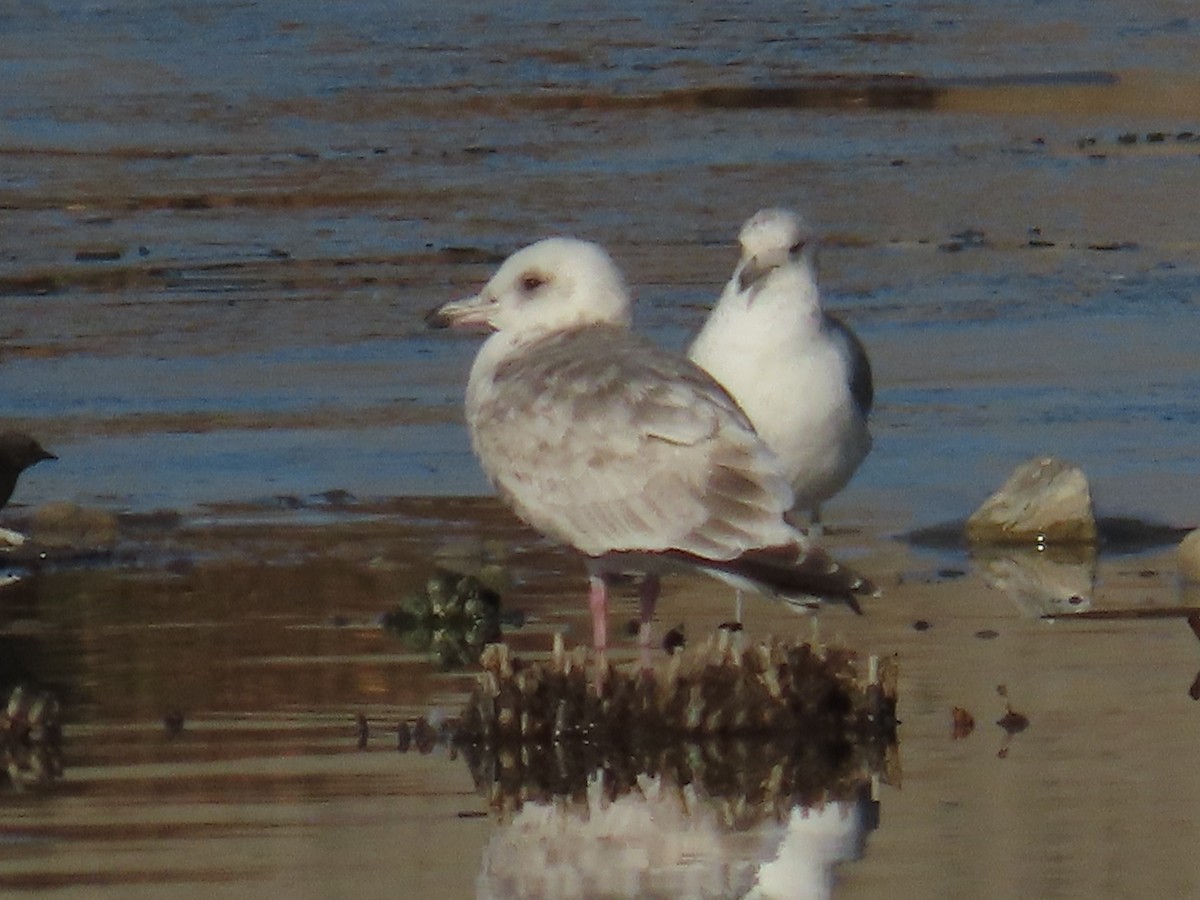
{"x": 772, "y": 238}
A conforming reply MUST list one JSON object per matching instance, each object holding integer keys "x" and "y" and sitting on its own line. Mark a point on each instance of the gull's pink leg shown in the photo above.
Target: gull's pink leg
{"x": 647, "y": 598}
{"x": 598, "y": 601}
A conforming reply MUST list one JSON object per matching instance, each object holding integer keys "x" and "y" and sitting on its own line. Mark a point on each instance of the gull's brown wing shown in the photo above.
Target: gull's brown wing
{"x": 608, "y": 443}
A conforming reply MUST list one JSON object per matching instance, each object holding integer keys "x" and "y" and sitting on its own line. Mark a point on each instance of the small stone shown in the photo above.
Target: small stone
{"x": 97, "y": 254}
{"x": 1189, "y": 557}
{"x": 173, "y": 721}
{"x": 1013, "y": 722}
{"x": 1045, "y": 501}
{"x": 424, "y": 736}
{"x": 962, "y": 723}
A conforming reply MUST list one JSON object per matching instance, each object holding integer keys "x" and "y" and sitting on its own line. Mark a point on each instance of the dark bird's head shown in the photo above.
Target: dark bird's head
{"x": 18, "y": 452}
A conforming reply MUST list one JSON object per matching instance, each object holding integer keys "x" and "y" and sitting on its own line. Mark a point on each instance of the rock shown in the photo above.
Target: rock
{"x": 70, "y": 525}
{"x": 1044, "y": 501}
{"x": 1189, "y": 557}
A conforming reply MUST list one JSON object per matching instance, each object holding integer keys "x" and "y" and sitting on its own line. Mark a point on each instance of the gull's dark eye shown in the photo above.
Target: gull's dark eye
{"x": 531, "y": 281}
{"x": 797, "y": 247}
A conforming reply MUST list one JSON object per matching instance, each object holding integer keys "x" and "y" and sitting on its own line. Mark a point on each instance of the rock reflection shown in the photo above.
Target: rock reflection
{"x": 1047, "y": 581}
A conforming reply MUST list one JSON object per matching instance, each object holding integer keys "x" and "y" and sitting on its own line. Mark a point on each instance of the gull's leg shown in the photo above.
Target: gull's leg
{"x": 598, "y": 601}
{"x": 815, "y": 529}
{"x": 647, "y": 599}
{"x": 737, "y": 605}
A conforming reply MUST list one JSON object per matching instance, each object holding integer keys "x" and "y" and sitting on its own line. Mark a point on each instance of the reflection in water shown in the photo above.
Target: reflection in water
{"x": 264, "y": 637}
{"x": 1045, "y": 581}
{"x": 661, "y": 838}
{"x": 30, "y": 737}
{"x": 757, "y": 791}
{"x": 452, "y": 619}
{"x": 726, "y": 686}
{"x": 815, "y": 840}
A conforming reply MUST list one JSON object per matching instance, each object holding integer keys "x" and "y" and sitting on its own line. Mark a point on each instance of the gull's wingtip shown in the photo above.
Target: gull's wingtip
{"x": 802, "y": 577}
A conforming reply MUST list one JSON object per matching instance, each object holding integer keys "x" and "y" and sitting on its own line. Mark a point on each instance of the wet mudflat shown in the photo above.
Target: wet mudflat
{"x": 222, "y": 224}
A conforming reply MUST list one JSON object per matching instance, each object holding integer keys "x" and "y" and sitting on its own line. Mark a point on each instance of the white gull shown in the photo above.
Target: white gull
{"x": 627, "y": 452}
{"x": 800, "y": 374}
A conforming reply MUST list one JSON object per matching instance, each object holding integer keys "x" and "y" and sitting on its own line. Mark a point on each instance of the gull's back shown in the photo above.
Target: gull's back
{"x": 607, "y": 443}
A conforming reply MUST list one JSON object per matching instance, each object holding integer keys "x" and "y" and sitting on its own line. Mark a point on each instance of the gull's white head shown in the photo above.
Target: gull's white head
{"x": 772, "y": 238}
{"x": 554, "y": 285}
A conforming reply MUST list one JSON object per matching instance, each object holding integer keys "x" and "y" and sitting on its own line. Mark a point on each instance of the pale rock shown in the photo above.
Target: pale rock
{"x": 10, "y": 539}
{"x": 1045, "y": 501}
{"x": 1189, "y": 557}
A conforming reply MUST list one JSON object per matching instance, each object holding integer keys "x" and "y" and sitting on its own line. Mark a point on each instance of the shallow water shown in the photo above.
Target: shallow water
{"x": 221, "y": 224}
{"x": 261, "y": 641}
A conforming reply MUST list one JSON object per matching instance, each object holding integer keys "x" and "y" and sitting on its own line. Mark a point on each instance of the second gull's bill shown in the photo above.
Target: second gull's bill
{"x": 612, "y": 445}
{"x": 800, "y": 374}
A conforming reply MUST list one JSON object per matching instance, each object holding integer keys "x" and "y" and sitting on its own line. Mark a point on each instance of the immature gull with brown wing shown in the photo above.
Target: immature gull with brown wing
{"x": 800, "y": 374}
{"x": 627, "y": 452}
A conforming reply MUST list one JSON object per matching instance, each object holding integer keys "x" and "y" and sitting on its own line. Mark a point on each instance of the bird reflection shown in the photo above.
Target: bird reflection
{"x": 738, "y": 771}
{"x": 660, "y": 839}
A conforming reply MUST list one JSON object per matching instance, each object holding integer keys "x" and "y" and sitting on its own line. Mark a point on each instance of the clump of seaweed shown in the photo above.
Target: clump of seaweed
{"x": 724, "y": 687}
{"x": 454, "y": 618}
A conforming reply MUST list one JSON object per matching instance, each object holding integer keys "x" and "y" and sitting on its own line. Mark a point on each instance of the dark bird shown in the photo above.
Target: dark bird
{"x": 17, "y": 453}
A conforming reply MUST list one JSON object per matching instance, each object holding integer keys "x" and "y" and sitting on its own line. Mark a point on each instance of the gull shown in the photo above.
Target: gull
{"x": 18, "y": 451}
{"x": 800, "y": 374}
{"x": 628, "y": 453}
